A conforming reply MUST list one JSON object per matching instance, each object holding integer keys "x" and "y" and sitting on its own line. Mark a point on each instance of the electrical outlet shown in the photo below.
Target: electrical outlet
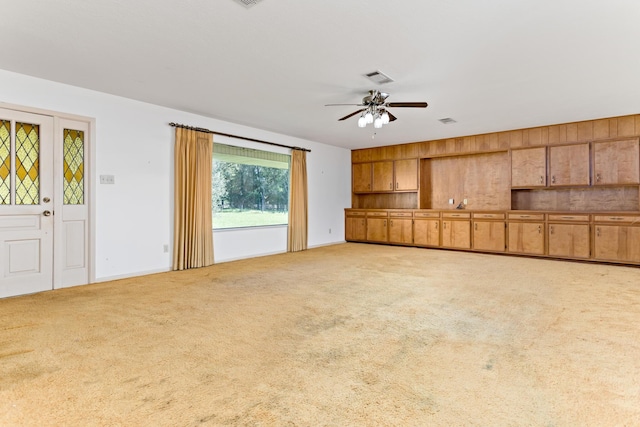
{"x": 464, "y": 201}
{"x": 329, "y": 231}
{"x": 451, "y": 201}
{"x": 166, "y": 249}
{"x": 107, "y": 179}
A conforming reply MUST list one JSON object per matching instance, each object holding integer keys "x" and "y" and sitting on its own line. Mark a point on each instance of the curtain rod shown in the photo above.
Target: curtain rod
{"x": 178, "y": 125}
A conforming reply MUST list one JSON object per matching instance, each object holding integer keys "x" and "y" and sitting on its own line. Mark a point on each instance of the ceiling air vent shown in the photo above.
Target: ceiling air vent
{"x": 247, "y": 3}
{"x": 447, "y": 121}
{"x": 378, "y": 77}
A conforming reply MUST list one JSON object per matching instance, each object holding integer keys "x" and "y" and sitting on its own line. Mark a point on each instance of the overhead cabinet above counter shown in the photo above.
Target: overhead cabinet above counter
{"x": 385, "y": 176}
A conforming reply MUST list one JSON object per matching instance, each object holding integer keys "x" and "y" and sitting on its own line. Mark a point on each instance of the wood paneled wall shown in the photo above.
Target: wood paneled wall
{"x": 482, "y": 179}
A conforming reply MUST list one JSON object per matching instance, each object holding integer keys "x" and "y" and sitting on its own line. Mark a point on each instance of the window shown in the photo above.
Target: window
{"x": 250, "y": 188}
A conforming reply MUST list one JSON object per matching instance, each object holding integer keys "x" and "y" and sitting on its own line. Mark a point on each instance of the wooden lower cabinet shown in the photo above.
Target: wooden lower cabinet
{"x": 456, "y": 234}
{"x": 426, "y": 232}
{"x": 526, "y": 238}
{"x": 377, "y": 230}
{"x": 617, "y": 243}
{"x": 489, "y": 235}
{"x": 568, "y": 240}
{"x": 401, "y": 231}
{"x": 355, "y": 228}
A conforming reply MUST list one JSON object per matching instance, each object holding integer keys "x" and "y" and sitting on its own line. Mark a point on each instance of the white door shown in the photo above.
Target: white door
{"x": 26, "y": 203}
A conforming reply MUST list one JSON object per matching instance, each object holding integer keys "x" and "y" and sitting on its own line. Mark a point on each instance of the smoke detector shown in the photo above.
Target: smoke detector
{"x": 248, "y": 3}
{"x": 378, "y": 77}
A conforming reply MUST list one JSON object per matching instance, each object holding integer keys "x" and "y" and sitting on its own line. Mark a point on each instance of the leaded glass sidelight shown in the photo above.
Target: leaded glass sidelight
{"x": 73, "y": 183}
{"x": 27, "y": 164}
{"x": 5, "y": 162}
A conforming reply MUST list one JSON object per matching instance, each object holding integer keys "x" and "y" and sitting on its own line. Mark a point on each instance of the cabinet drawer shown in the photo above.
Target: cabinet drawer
{"x": 617, "y": 218}
{"x": 401, "y": 214}
{"x": 568, "y": 217}
{"x": 523, "y": 216}
{"x": 377, "y": 214}
{"x": 426, "y": 214}
{"x": 356, "y": 213}
{"x": 456, "y": 215}
{"x": 488, "y": 215}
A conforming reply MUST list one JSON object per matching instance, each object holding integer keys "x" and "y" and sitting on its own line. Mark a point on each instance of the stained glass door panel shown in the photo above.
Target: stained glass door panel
{"x": 26, "y": 202}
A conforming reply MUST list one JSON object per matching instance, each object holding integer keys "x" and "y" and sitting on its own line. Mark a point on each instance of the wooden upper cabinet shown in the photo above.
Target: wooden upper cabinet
{"x": 406, "y": 174}
{"x": 382, "y": 176}
{"x": 616, "y": 162}
{"x": 361, "y": 176}
{"x": 569, "y": 165}
{"x": 529, "y": 167}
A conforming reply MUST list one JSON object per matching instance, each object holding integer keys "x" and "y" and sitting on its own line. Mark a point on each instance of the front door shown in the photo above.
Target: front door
{"x": 26, "y": 203}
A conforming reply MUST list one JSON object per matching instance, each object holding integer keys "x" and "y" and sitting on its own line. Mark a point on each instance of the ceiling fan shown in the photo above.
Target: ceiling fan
{"x": 375, "y": 109}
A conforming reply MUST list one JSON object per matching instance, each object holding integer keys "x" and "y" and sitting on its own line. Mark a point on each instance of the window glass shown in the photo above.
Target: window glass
{"x": 250, "y": 188}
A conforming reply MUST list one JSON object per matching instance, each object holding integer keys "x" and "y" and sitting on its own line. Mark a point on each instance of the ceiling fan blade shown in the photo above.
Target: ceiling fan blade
{"x": 335, "y": 105}
{"x": 391, "y": 117}
{"x": 407, "y": 104}
{"x": 352, "y": 114}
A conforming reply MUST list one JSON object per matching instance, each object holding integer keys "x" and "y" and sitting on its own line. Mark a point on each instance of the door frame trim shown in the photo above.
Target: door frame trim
{"x": 90, "y": 183}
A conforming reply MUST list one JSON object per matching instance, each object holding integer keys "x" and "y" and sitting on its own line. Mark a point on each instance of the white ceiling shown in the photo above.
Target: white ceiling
{"x": 491, "y": 65}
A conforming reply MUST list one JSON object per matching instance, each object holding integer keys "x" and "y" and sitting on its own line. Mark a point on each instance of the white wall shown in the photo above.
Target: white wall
{"x": 134, "y": 217}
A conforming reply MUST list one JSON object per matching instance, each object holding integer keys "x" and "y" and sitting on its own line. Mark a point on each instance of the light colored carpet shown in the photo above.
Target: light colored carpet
{"x": 345, "y": 335}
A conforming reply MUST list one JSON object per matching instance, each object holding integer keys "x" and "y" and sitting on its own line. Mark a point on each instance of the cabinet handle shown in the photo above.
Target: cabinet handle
{"x": 553, "y": 179}
{"x": 391, "y": 186}
{"x": 598, "y": 232}
{"x": 541, "y": 179}
{"x": 539, "y": 229}
{"x": 598, "y": 177}
{"x": 368, "y": 186}
{"x": 397, "y": 186}
{"x": 444, "y": 225}
{"x": 436, "y": 225}
{"x": 551, "y": 229}
{"x": 525, "y": 216}
{"x": 475, "y": 226}
{"x": 385, "y": 222}
{"x": 391, "y": 223}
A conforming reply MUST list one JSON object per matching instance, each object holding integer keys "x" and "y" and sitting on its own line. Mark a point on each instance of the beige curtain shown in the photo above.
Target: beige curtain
{"x": 297, "y": 236}
{"x": 193, "y": 234}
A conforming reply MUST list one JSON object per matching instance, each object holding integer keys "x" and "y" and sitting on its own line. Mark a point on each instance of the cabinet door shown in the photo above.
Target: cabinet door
{"x": 526, "y": 238}
{"x": 616, "y": 162}
{"x": 617, "y": 243}
{"x": 406, "y": 173}
{"x": 377, "y": 230}
{"x": 569, "y": 240}
{"x": 355, "y": 228}
{"x": 382, "y": 176}
{"x": 489, "y": 235}
{"x": 456, "y": 234}
{"x": 361, "y": 176}
{"x": 569, "y": 165}
{"x": 529, "y": 167}
{"x": 426, "y": 232}
{"x": 400, "y": 231}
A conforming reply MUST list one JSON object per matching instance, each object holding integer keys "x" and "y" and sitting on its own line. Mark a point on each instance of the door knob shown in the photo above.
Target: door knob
{"x": 46, "y": 213}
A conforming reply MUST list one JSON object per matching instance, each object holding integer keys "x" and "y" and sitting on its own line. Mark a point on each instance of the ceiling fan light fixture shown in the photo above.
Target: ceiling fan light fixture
{"x": 362, "y": 122}
{"x": 378, "y": 122}
{"x": 385, "y": 118}
{"x": 369, "y": 117}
